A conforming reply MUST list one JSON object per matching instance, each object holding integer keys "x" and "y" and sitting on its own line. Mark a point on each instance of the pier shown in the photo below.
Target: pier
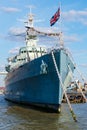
{"x": 75, "y": 97}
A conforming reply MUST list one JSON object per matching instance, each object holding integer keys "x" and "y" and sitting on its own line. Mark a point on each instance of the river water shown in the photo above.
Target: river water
{"x": 15, "y": 117}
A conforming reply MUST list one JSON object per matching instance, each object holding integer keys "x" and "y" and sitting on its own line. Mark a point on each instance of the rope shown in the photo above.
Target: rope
{"x": 42, "y": 33}
{"x": 60, "y": 79}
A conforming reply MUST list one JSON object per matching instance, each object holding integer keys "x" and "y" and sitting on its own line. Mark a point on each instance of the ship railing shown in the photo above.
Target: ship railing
{"x": 3, "y": 72}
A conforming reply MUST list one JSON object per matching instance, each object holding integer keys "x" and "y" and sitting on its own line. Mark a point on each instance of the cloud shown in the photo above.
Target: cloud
{"x": 2, "y": 67}
{"x": 80, "y": 53}
{"x": 10, "y": 9}
{"x": 21, "y": 20}
{"x": 76, "y": 16}
{"x": 71, "y": 38}
{"x": 16, "y": 31}
{"x": 14, "y": 50}
{"x": 83, "y": 65}
{"x": 30, "y": 6}
{"x": 19, "y": 39}
{"x": 16, "y": 34}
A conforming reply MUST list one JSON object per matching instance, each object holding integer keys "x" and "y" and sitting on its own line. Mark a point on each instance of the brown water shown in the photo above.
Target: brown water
{"x": 15, "y": 117}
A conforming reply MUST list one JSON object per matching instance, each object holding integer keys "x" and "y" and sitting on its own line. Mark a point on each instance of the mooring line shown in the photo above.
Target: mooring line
{"x": 62, "y": 85}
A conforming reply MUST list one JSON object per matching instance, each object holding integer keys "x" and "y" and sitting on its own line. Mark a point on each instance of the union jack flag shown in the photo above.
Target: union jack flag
{"x": 55, "y": 17}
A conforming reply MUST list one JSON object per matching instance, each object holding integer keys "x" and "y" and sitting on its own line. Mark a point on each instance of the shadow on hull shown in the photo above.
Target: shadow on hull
{"x": 49, "y": 108}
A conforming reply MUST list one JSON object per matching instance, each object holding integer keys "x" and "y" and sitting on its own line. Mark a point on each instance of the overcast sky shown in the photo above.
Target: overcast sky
{"x": 13, "y": 13}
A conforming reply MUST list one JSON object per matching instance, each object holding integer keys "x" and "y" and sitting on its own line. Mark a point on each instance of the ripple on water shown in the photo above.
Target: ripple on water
{"x": 14, "y": 117}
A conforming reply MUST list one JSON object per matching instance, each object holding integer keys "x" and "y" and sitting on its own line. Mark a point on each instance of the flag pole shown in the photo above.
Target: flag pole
{"x": 61, "y": 35}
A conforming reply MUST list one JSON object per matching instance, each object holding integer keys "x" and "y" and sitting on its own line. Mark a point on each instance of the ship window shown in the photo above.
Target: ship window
{"x": 23, "y": 51}
{"x": 30, "y": 51}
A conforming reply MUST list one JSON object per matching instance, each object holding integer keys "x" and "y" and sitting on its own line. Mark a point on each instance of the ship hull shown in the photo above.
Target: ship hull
{"x": 32, "y": 84}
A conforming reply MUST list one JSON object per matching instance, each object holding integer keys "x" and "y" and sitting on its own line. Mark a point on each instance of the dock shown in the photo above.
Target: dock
{"x": 75, "y": 97}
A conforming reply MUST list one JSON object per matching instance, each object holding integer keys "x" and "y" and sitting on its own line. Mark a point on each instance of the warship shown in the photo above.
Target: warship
{"x": 32, "y": 77}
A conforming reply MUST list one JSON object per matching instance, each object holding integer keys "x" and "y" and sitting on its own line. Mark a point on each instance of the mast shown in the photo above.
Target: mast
{"x": 61, "y": 42}
{"x": 30, "y": 34}
{"x": 30, "y": 38}
{"x": 30, "y": 19}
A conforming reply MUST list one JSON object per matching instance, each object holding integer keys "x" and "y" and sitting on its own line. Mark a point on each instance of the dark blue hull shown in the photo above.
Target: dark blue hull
{"x": 29, "y": 84}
